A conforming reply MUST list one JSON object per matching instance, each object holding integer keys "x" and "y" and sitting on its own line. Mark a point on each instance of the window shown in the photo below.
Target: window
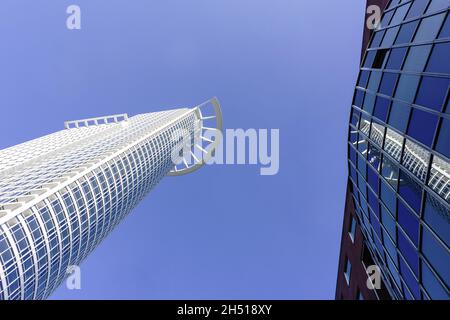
{"x": 417, "y": 58}
{"x": 432, "y": 285}
{"x": 439, "y": 60}
{"x": 374, "y": 81}
{"x": 422, "y": 126}
{"x": 409, "y": 222}
{"x": 388, "y": 83}
{"x": 436, "y": 215}
{"x": 443, "y": 143}
{"x": 352, "y": 231}
{"x": 388, "y": 197}
{"x": 369, "y": 102}
{"x": 400, "y": 14}
{"x": 399, "y": 115}
{"x": 389, "y": 38}
{"x": 359, "y": 97}
{"x": 410, "y": 280}
{"x": 437, "y": 255}
{"x": 410, "y": 191}
{"x": 417, "y": 8}
{"x": 388, "y": 222}
{"x": 429, "y": 28}
{"x": 379, "y": 59}
{"x": 445, "y": 32}
{"x": 406, "y": 88}
{"x": 387, "y": 18}
{"x": 409, "y": 252}
{"x": 363, "y": 78}
{"x": 396, "y": 58}
{"x": 376, "y": 40}
{"x": 347, "y": 270}
{"x": 437, "y": 5}
{"x": 432, "y": 92}
{"x": 406, "y": 32}
{"x": 382, "y": 108}
{"x": 390, "y": 172}
{"x": 370, "y": 56}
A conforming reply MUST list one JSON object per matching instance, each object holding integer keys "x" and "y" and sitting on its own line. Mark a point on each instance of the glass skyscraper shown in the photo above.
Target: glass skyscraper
{"x": 399, "y": 155}
{"x": 60, "y": 195}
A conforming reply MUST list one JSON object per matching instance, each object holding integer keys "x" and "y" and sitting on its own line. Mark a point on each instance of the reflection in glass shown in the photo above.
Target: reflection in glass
{"x": 393, "y": 144}
{"x": 377, "y": 133}
{"x": 440, "y": 178}
{"x": 390, "y": 172}
{"x": 416, "y": 159}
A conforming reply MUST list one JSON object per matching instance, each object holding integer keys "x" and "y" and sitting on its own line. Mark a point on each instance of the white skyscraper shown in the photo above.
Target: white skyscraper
{"x": 60, "y": 195}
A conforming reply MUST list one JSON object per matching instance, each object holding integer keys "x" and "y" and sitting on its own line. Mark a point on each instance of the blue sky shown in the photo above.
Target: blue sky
{"x": 224, "y": 232}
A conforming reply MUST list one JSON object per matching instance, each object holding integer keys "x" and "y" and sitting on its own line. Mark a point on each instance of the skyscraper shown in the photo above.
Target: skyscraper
{"x": 60, "y": 195}
{"x": 398, "y": 201}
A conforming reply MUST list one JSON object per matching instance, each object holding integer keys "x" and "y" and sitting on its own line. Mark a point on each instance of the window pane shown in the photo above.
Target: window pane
{"x": 417, "y": 8}
{"x": 369, "y": 102}
{"x": 432, "y": 92}
{"x": 429, "y": 28}
{"x": 400, "y": 14}
{"x": 409, "y": 222}
{"x": 406, "y": 32}
{"x": 416, "y": 159}
{"x": 374, "y": 81}
{"x": 359, "y": 98}
{"x": 417, "y": 58}
{"x": 376, "y": 40}
{"x": 422, "y": 126}
{"x": 440, "y": 178}
{"x": 440, "y": 58}
{"x": 363, "y": 78}
{"x": 396, "y": 58}
{"x": 388, "y": 83}
{"x": 408, "y": 252}
{"x": 390, "y": 172}
{"x": 389, "y": 224}
{"x": 389, "y": 38}
{"x": 437, "y": 216}
{"x": 370, "y": 56}
{"x": 437, "y": 5}
{"x": 399, "y": 115}
{"x": 432, "y": 285}
{"x": 445, "y": 31}
{"x": 410, "y": 191}
{"x": 393, "y": 144}
{"x": 437, "y": 255}
{"x": 406, "y": 88}
{"x": 443, "y": 144}
{"x": 382, "y": 108}
{"x": 388, "y": 197}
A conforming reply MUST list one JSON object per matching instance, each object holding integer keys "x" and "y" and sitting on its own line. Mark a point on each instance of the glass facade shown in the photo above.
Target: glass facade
{"x": 61, "y": 195}
{"x": 399, "y": 148}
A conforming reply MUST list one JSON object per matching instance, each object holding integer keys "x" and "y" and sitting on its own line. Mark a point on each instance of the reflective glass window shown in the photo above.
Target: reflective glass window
{"x": 396, "y": 58}
{"x": 437, "y": 255}
{"x": 388, "y": 83}
{"x": 440, "y": 59}
{"x": 429, "y": 28}
{"x": 432, "y": 92}
{"x": 422, "y": 126}
{"x": 406, "y": 88}
{"x": 406, "y": 32}
{"x": 417, "y": 58}
{"x": 443, "y": 143}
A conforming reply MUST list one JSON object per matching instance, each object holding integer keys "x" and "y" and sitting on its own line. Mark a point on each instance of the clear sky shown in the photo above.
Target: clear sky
{"x": 224, "y": 232}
